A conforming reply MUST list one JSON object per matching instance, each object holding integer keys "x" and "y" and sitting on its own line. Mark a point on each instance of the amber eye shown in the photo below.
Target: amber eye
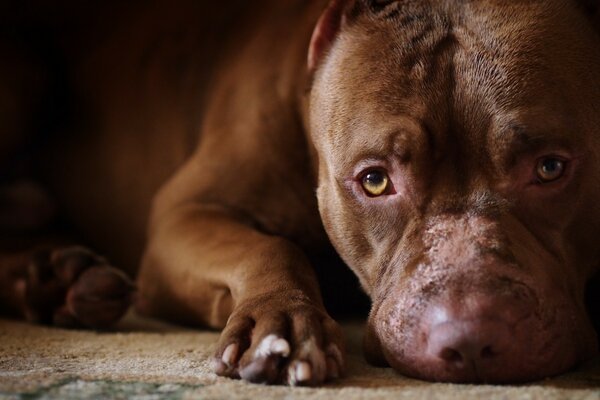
{"x": 376, "y": 183}
{"x": 550, "y": 169}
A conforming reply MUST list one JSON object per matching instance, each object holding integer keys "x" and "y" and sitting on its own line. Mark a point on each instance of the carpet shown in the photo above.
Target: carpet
{"x": 144, "y": 359}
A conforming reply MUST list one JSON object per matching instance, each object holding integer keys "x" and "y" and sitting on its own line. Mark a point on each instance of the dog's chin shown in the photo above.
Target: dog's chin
{"x": 494, "y": 339}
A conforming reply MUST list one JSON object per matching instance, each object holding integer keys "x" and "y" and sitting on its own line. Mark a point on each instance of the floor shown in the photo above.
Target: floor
{"x": 145, "y": 359}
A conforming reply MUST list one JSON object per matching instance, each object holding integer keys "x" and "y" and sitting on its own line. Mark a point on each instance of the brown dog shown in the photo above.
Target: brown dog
{"x": 453, "y": 145}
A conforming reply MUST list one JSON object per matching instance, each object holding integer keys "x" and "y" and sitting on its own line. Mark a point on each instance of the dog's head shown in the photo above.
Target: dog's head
{"x": 459, "y": 177}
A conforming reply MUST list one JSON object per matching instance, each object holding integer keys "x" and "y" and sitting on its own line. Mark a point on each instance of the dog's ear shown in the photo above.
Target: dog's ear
{"x": 325, "y": 32}
{"x": 337, "y": 14}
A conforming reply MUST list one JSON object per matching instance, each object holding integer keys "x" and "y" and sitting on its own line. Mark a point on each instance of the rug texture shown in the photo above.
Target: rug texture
{"x": 145, "y": 359}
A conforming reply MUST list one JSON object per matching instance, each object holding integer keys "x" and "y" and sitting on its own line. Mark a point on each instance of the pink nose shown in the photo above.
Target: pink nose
{"x": 475, "y": 338}
{"x": 498, "y": 334}
{"x": 468, "y": 346}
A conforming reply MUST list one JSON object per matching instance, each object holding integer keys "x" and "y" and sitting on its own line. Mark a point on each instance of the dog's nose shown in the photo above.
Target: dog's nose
{"x": 495, "y": 333}
{"x": 475, "y": 338}
{"x": 468, "y": 345}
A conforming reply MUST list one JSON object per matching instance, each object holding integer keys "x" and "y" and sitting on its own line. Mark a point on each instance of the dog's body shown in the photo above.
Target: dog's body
{"x": 420, "y": 125}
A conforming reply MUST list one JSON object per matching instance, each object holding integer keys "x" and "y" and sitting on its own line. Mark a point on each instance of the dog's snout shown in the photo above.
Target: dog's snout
{"x": 469, "y": 346}
{"x": 485, "y": 336}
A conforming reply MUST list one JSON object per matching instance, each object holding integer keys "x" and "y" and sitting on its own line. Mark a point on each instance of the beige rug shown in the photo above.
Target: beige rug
{"x": 149, "y": 360}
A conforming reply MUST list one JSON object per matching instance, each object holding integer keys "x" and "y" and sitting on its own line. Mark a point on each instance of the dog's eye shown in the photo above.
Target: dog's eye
{"x": 375, "y": 183}
{"x": 550, "y": 169}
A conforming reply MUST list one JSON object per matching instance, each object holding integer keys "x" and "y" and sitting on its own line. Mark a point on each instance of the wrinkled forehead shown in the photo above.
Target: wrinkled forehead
{"x": 469, "y": 65}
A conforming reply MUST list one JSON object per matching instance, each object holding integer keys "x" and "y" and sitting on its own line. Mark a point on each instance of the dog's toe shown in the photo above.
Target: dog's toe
{"x": 318, "y": 350}
{"x": 74, "y": 287}
{"x": 234, "y": 341}
{"x": 100, "y": 296}
{"x": 268, "y": 351}
{"x": 278, "y": 343}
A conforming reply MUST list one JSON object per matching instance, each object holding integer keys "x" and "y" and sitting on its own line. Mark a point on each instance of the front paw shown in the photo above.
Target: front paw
{"x": 281, "y": 339}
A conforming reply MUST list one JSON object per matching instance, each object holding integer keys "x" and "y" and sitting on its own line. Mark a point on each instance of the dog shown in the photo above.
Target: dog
{"x": 447, "y": 150}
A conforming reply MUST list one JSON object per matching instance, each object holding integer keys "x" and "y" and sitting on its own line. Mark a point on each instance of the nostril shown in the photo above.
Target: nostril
{"x": 451, "y": 355}
{"x": 464, "y": 344}
{"x": 471, "y": 339}
{"x": 488, "y": 352}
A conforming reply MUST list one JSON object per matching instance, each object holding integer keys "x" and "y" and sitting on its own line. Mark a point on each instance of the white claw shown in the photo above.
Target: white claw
{"x": 230, "y": 354}
{"x": 303, "y": 372}
{"x": 272, "y": 345}
{"x": 215, "y": 364}
{"x": 299, "y": 372}
{"x": 281, "y": 347}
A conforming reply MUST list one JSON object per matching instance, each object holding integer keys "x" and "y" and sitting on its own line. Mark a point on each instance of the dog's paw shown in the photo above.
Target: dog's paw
{"x": 280, "y": 339}
{"x": 73, "y": 287}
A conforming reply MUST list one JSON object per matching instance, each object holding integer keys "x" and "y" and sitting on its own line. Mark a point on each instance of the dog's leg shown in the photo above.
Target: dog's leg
{"x": 205, "y": 265}
{"x": 209, "y": 265}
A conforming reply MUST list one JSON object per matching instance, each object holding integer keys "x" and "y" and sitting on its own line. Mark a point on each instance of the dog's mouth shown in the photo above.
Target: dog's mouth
{"x": 471, "y": 334}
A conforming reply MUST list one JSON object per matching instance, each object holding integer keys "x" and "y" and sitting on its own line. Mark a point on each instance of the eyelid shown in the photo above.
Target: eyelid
{"x": 369, "y": 164}
{"x": 361, "y": 175}
{"x": 553, "y": 156}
